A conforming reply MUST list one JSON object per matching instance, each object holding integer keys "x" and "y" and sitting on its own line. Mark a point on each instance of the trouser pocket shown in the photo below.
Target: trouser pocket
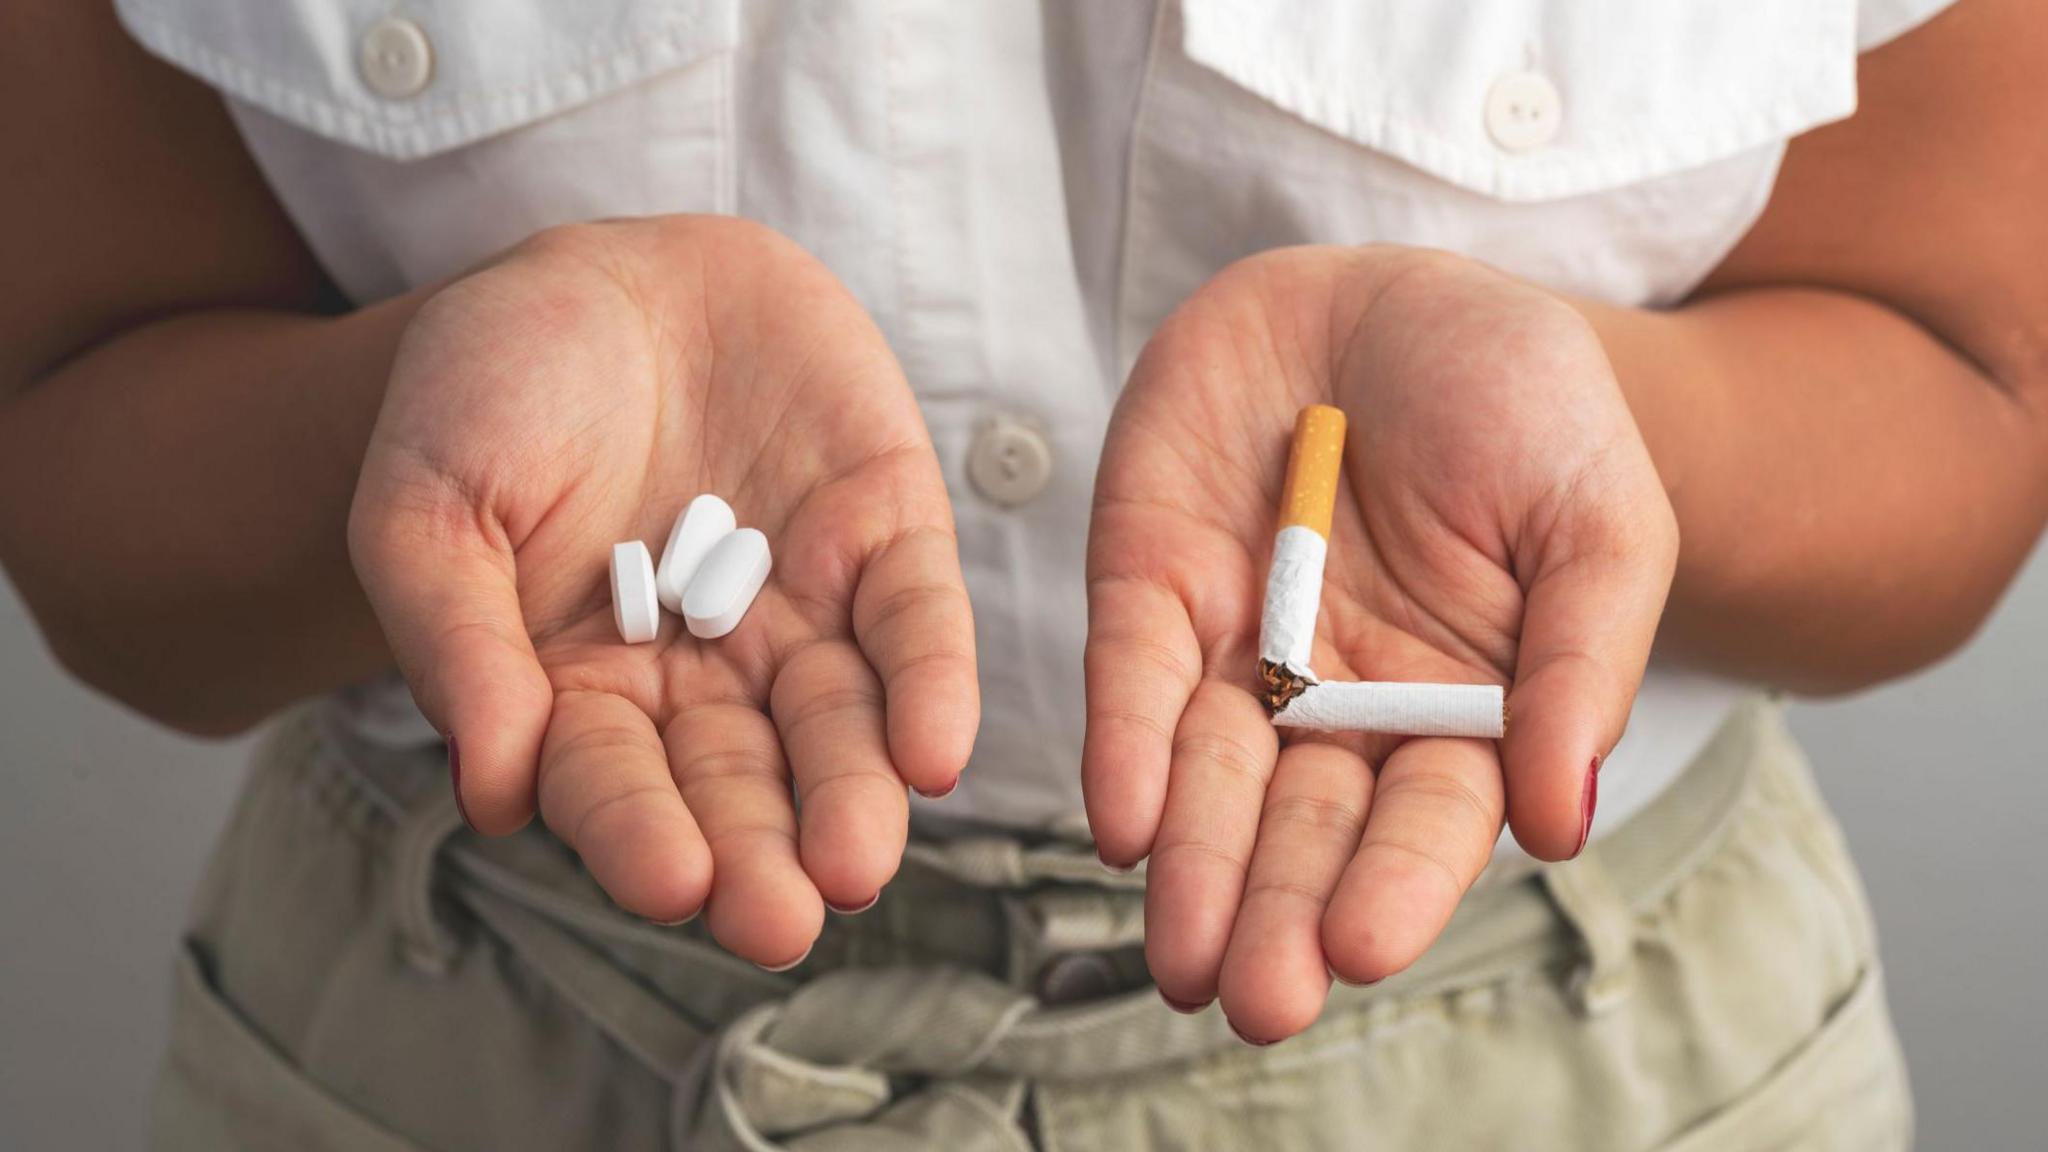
{"x": 1844, "y": 1091}
{"x": 307, "y": 1015}
{"x": 224, "y": 1088}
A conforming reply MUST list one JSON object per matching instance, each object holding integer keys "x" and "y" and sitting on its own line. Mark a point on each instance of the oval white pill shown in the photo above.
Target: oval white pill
{"x": 634, "y": 608}
{"x": 704, "y": 523}
{"x": 726, "y": 583}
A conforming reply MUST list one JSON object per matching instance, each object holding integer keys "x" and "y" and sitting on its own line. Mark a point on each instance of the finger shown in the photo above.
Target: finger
{"x": 1586, "y": 632}
{"x": 1274, "y": 977}
{"x": 1141, "y": 666}
{"x": 728, "y": 764}
{"x": 1436, "y": 812}
{"x": 605, "y": 789}
{"x": 852, "y": 811}
{"x": 449, "y": 607}
{"x": 915, "y": 626}
{"x": 1223, "y": 754}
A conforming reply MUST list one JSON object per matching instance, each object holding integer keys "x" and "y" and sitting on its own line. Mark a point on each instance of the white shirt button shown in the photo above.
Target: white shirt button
{"x": 1523, "y": 111}
{"x": 1010, "y": 462}
{"x": 396, "y": 58}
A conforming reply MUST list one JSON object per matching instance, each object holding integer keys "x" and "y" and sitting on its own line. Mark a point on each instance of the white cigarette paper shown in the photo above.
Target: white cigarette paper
{"x": 1294, "y": 592}
{"x": 1403, "y": 709}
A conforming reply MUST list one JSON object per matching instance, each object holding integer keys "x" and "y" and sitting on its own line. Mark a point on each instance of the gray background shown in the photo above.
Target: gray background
{"x": 1939, "y": 780}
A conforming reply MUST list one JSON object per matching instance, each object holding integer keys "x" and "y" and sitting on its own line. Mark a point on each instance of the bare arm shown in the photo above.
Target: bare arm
{"x": 196, "y": 467}
{"x": 1848, "y": 422}
{"x": 1852, "y": 415}
{"x": 180, "y": 425}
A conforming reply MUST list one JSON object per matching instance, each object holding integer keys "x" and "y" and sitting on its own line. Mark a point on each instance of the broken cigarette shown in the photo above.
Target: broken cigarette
{"x": 1294, "y": 592}
{"x": 1409, "y": 709}
{"x": 1294, "y": 584}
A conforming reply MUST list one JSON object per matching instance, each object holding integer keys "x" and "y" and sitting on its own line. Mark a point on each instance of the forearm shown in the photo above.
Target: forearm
{"x": 174, "y": 502}
{"x": 1852, "y": 494}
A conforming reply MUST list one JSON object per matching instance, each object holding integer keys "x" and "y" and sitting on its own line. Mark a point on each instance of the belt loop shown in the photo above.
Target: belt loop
{"x": 1587, "y": 898}
{"x": 1060, "y": 940}
{"x": 1026, "y": 952}
{"x": 423, "y": 940}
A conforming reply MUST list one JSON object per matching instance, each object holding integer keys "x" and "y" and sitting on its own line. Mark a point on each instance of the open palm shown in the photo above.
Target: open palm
{"x": 1500, "y": 522}
{"x": 579, "y": 392}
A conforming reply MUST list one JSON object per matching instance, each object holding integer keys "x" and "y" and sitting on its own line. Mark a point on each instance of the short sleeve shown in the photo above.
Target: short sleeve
{"x": 1878, "y": 21}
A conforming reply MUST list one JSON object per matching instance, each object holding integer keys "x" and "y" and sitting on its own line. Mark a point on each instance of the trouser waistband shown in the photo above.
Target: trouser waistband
{"x": 947, "y": 981}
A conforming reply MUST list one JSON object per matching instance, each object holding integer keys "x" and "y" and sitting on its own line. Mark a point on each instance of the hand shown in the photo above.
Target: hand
{"x": 578, "y": 393}
{"x": 1500, "y": 522}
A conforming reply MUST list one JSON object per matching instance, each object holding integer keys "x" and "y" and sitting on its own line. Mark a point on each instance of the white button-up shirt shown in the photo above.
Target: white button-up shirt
{"x": 1020, "y": 190}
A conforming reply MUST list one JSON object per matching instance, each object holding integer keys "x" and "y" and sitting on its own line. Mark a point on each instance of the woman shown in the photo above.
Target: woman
{"x": 328, "y": 376}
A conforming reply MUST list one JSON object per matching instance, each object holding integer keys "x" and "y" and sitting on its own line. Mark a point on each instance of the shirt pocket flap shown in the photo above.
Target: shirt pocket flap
{"x": 1634, "y": 89}
{"x": 415, "y": 80}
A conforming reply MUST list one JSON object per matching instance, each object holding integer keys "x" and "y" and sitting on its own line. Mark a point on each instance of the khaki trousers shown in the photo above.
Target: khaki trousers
{"x": 361, "y": 973}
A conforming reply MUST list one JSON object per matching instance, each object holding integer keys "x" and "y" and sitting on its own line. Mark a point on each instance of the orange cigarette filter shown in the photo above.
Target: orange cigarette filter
{"x": 1309, "y": 496}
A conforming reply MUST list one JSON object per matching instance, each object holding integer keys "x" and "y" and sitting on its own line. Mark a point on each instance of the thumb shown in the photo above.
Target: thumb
{"x": 1589, "y": 617}
{"x": 446, "y": 595}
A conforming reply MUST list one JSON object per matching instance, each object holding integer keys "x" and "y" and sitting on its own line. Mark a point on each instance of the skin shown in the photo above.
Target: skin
{"x": 150, "y": 274}
{"x": 1545, "y": 567}
{"x": 716, "y": 356}
{"x": 1871, "y": 356}
{"x": 1850, "y": 423}
{"x": 475, "y": 449}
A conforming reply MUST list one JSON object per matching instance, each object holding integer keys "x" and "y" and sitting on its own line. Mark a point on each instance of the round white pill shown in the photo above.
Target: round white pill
{"x": 726, "y": 583}
{"x": 634, "y": 608}
{"x": 704, "y": 523}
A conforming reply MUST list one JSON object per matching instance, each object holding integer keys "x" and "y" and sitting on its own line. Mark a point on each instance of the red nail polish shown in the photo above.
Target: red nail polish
{"x": 1247, "y": 1039}
{"x": 1586, "y": 805}
{"x": 1181, "y": 1006}
{"x": 805, "y": 955}
{"x": 455, "y": 781}
{"x": 1351, "y": 983}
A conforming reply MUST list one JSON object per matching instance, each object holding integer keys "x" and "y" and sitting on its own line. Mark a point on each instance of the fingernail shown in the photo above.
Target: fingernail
{"x": 1586, "y": 805}
{"x": 1183, "y": 1007}
{"x": 672, "y": 923}
{"x": 455, "y": 782}
{"x": 1247, "y": 1039}
{"x": 1119, "y": 869}
{"x": 857, "y": 908}
{"x": 940, "y": 794}
{"x": 803, "y": 956}
{"x": 1350, "y": 983}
